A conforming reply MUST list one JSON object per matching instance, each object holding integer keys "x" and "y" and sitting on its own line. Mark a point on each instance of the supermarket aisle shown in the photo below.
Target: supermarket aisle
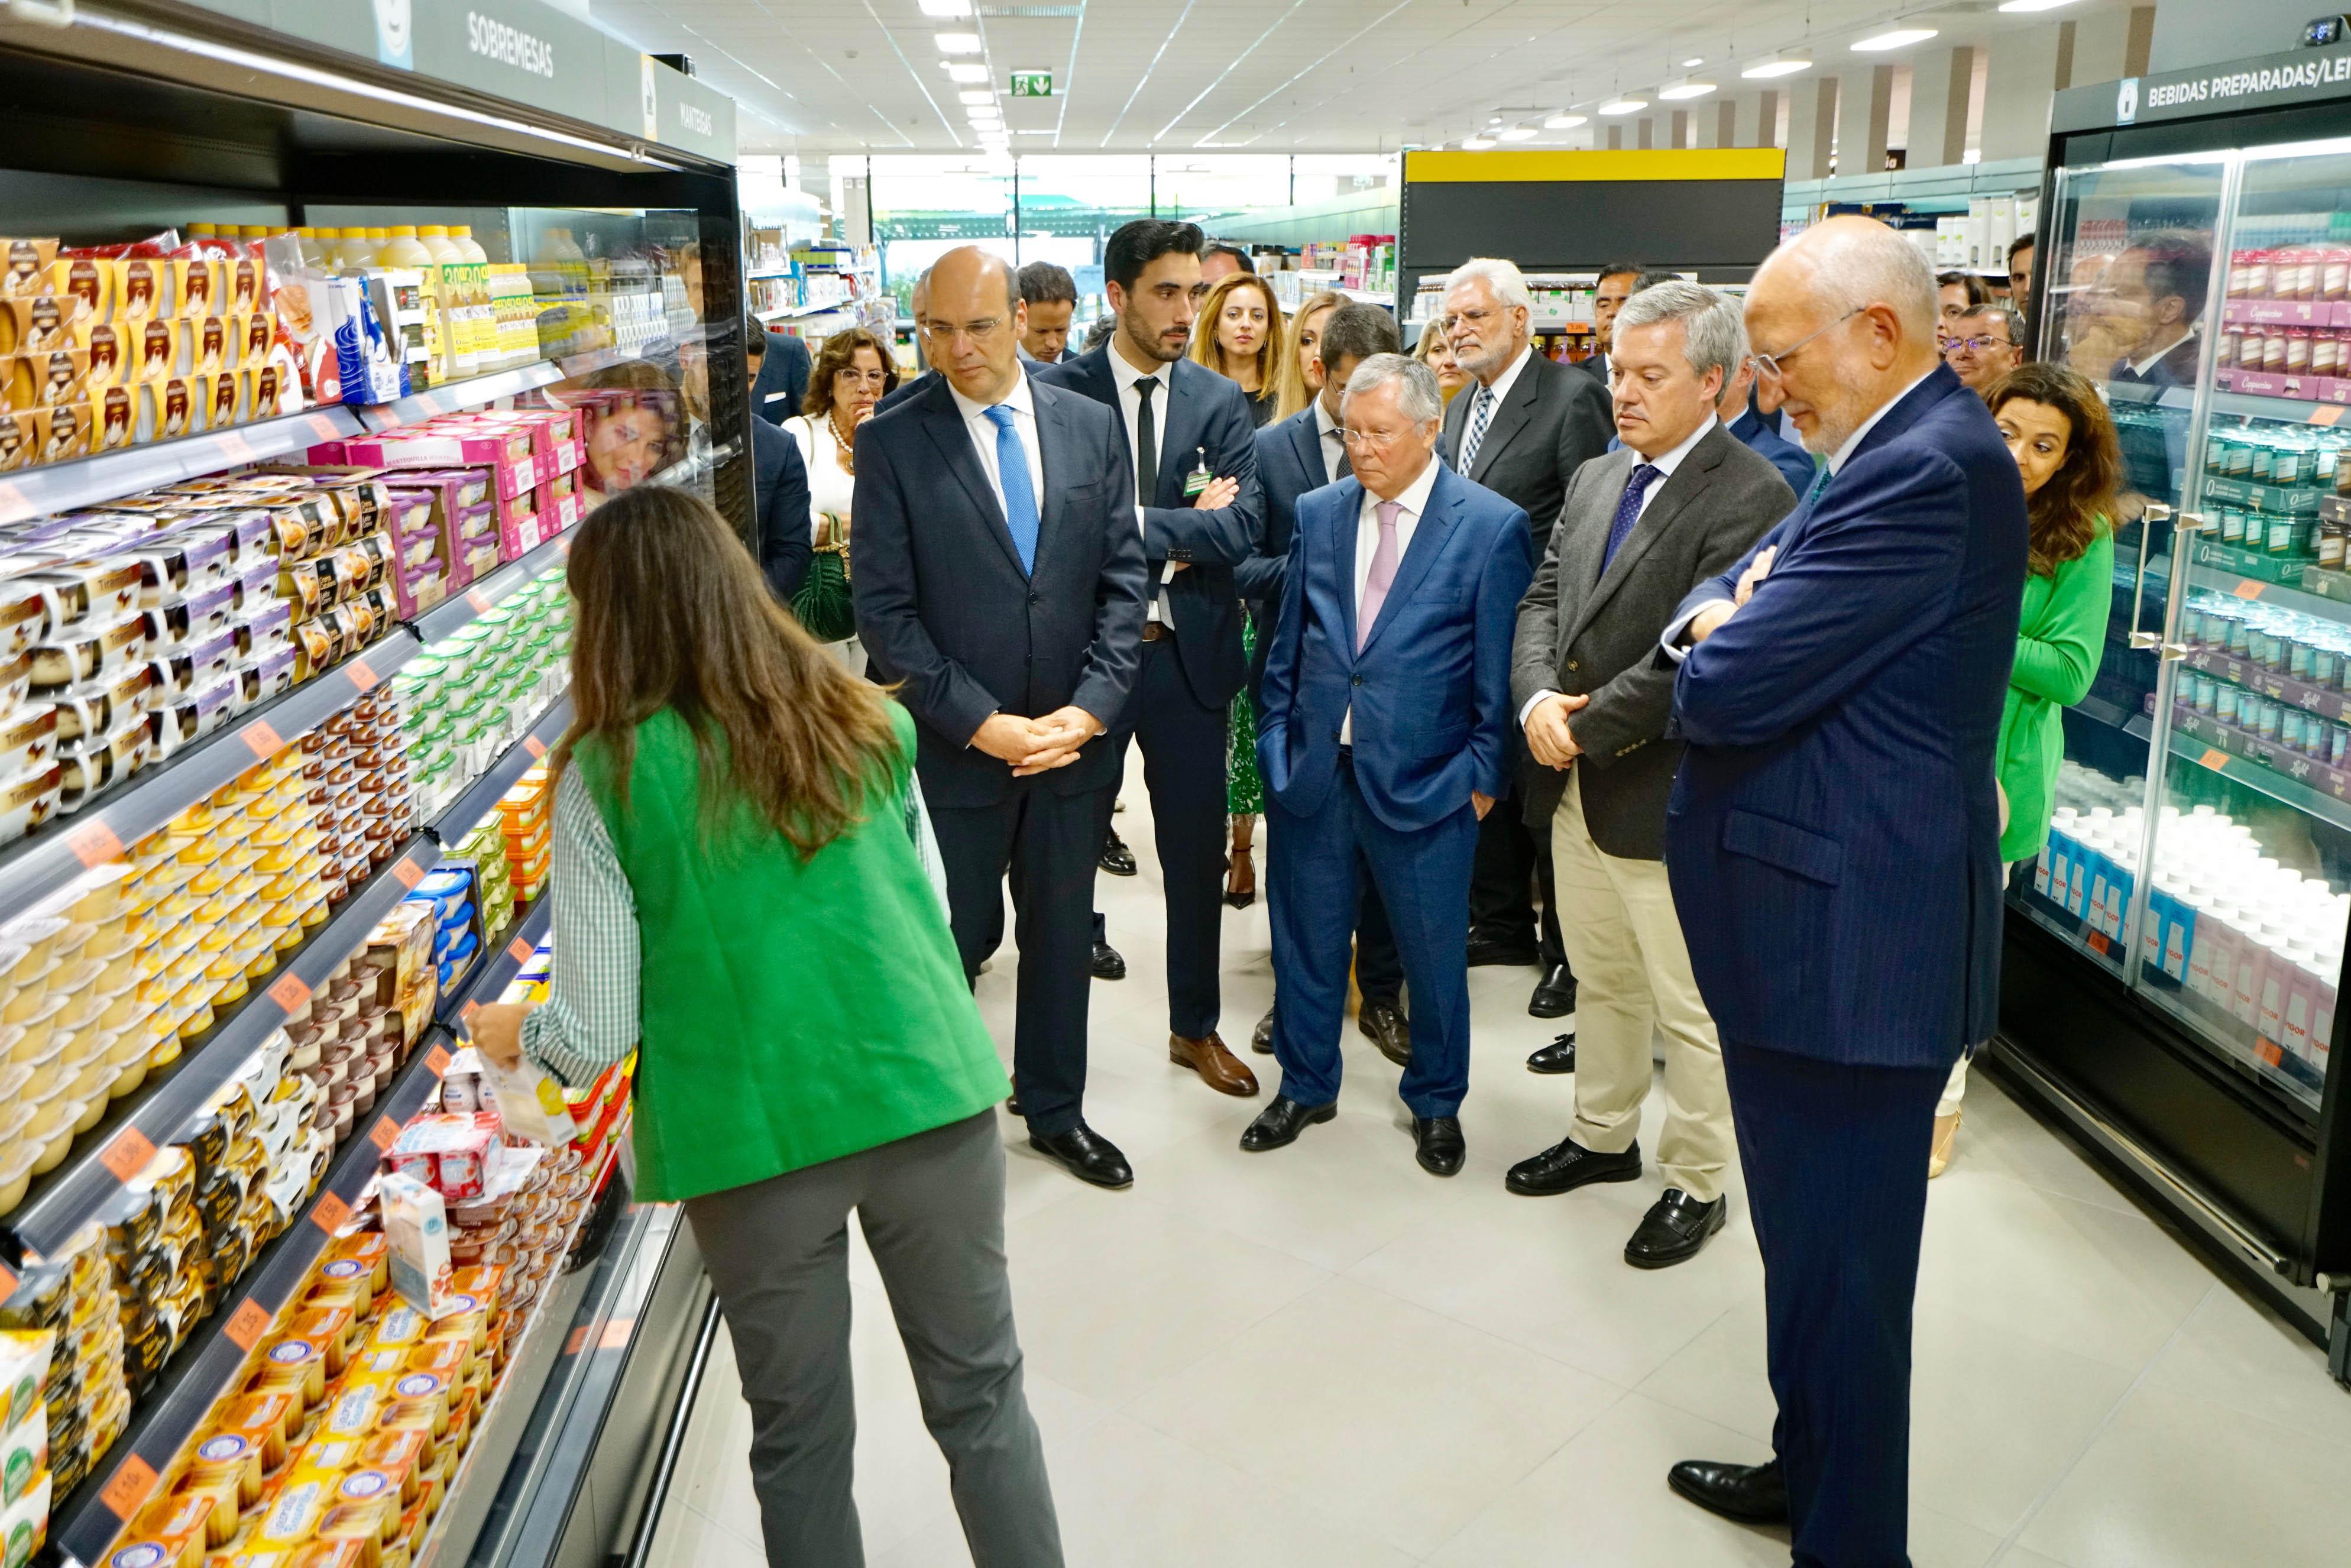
{"x": 1218, "y": 1357}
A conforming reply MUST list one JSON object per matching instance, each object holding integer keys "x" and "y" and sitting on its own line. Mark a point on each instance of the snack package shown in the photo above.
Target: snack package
{"x": 416, "y": 1228}
{"x": 24, "y": 1368}
{"x": 530, "y": 1102}
{"x": 25, "y": 1525}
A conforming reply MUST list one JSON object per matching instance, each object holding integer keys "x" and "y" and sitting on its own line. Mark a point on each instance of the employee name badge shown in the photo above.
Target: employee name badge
{"x": 1197, "y": 479}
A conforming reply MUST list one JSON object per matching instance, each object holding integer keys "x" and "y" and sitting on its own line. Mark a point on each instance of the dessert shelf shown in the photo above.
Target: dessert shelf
{"x": 109, "y": 475}
{"x": 475, "y": 391}
{"x": 480, "y": 797}
{"x": 451, "y": 615}
{"x": 491, "y": 977}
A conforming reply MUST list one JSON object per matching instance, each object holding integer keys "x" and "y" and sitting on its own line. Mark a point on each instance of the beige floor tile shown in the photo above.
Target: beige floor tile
{"x": 2237, "y": 1353}
{"x": 684, "y": 1539}
{"x": 2175, "y": 1481}
{"x": 1398, "y": 1419}
{"x": 2001, "y": 1139}
{"x": 2023, "y": 1557}
{"x": 1938, "y": 1541}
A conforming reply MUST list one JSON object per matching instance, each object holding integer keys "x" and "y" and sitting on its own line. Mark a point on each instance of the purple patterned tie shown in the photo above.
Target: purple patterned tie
{"x": 1383, "y": 575}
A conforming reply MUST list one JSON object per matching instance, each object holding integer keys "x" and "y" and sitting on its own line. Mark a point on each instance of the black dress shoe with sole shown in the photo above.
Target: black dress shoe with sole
{"x": 1559, "y": 1056}
{"x": 1437, "y": 1144}
{"x": 1751, "y": 1494}
{"x": 1673, "y": 1231}
{"x": 1518, "y": 953}
{"x": 1262, "y": 1036}
{"x": 1087, "y": 1155}
{"x": 1384, "y": 1025}
{"x": 1279, "y": 1124}
{"x": 1116, "y": 858}
{"x": 1108, "y": 965}
{"x": 1568, "y": 1165}
{"x": 1554, "y": 996}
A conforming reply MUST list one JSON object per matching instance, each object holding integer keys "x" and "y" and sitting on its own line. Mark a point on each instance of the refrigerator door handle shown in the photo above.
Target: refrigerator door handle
{"x": 2155, "y": 512}
{"x": 2186, "y": 524}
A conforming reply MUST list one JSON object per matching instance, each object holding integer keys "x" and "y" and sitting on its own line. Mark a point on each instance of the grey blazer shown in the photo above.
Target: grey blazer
{"x": 1584, "y": 631}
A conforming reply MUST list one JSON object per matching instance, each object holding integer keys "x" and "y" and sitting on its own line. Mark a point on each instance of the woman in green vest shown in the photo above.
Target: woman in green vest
{"x": 741, "y": 898}
{"x": 2067, "y": 452}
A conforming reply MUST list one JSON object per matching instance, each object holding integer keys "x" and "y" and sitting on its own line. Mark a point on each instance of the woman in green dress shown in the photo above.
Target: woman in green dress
{"x": 1244, "y": 791}
{"x": 742, "y": 897}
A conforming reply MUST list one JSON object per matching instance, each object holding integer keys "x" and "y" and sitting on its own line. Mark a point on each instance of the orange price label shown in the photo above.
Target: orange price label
{"x": 2249, "y": 588}
{"x": 616, "y": 1333}
{"x": 234, "y": 446}
{"x": 2214, "y": 758}
{"x": 13, "y": 503}
{"x": 577, "y": 1342}
{"x": 93, "y": 843}
{"x": 2329, "y": 414}
{"x": 289, "y": 992}
{"x": 436, "y": 1061}
{"x": 563, "y": 547}
{"x": 536, "y": 747}
{"x": 133, "y": 1479}
{"x": 362, "y": 674}
{"x": 247, "y": 1324}
{"x": 331, "y": 1214}
{"x": 406, "y": 871}
{"x": 127, "y": 1155}
{"x": 466, "y": 1012}
{"x": 2098, "y": 943}
{"x": 7, "y": 1282}
{"x": 519, "y": 950}
{"x": 264, "y": 741}
{"x": 384, "y": 1132}
{"x": 478, "y": 599}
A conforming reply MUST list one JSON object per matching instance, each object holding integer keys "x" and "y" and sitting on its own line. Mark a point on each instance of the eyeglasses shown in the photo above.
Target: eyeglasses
{"x": 1461, "y": 319}
{"x": 948, "y": 331}
{"x": 1768, "y": 366}
{"x": 1976, "y": 345}
{"x": 867, "y": 378}
{"x": 1374, "y": 440}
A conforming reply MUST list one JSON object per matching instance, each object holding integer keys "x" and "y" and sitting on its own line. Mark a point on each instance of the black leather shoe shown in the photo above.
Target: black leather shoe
{"x": 1673, "y": 1231}
{"x": 1751, "y": 1494}
{"x": 1279, "y": 1124}
{"x": 1262, "y": 1036}
{"x": 1568, "y": 1165}
{"x": 1437, "y": 1144}
{"x": 1108, "y": 965}
{"x": 1518, "y": 952}
{"x": 1555, "y": 997}
{"x": 1116, "y": 858}
{"x": 1384, "y": 1025}
{"x": 1087, "y": 1155}
{"x": 1559, "y": 1056}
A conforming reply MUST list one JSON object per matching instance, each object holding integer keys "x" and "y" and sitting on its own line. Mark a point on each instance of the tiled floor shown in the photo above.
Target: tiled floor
{"x": 1324, "y": 1356}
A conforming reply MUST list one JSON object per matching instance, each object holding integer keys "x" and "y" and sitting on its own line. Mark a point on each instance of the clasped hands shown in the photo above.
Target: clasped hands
{"x": 1037, "y": 745}
{"x": 1710, "y": 621}
{"x": 1548, "y": 736}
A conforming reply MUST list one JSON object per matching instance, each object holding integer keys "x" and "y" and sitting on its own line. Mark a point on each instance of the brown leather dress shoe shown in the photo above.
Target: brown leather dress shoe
{"x": 1219, "y": 1069}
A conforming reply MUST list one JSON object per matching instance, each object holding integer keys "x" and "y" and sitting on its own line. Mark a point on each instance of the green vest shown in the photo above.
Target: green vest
{"x": 792, "y": 1011}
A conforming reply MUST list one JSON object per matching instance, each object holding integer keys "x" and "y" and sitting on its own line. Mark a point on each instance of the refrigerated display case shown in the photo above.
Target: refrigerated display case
{"x": 2175, "y": 955}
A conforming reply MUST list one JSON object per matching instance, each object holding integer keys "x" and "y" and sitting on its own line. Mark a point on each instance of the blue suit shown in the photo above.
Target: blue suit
{"x": 1795, "y": 465}
{"x": 783, "y": 378}
{"x": 1833, "y": 842}
{"x": 780, "y": 490}
{"x": 1430, "y": 693}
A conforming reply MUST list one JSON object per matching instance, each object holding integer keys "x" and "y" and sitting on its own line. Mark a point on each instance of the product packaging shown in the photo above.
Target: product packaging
{"x": 416, "y": 1229}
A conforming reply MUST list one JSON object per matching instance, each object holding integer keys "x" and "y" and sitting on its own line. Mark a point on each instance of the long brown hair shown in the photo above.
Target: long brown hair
{"x": 2078, "y": 504}
{"x": 833, "y": 356}
{"x": 1206, "y": 350}
{"x": 672, "y": 613}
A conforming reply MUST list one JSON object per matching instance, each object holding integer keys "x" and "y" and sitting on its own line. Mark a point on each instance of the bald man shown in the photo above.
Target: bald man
{"x": 1833, "y": 845}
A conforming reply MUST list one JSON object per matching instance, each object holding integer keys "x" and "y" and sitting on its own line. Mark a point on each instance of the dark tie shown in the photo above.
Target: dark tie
{"x": 1482, "y": 411}
{"x": 1346, "y": 466}
{"x": 1820, "y": 482}
{"x": 1146, "y": 443}
{"x": 1629, "y": 510}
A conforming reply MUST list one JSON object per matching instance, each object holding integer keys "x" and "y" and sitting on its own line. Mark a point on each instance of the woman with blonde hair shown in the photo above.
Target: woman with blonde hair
{"x": 1434, "y": 350}
{"x": 1240, "y": 337}
{"x": 1302, "y": 373}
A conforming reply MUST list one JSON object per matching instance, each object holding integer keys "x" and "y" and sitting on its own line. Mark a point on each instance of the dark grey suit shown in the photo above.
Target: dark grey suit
{"x": 1588, "y": 632}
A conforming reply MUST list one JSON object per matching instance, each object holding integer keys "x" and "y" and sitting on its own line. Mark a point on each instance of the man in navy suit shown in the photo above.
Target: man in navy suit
{"x": 1384, "y": 740}
{"x": 1295, "y": 455}
{"x": 1000, "y": 577}
{"x": 1833, "y": 842}
{"x": 1761, "y": 436}
{"x": 1193, "y": 471}
{"x": 779, "y": 375}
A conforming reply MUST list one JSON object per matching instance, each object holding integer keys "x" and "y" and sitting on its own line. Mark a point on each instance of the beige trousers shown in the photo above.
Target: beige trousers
{"x": 1632, "y": 979}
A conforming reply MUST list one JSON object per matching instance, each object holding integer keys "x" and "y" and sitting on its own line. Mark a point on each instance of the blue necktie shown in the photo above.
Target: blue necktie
{"x": 1019, "y": 489}
{"x": 1629, "y": 510}
{"x": 1820, "y": 482}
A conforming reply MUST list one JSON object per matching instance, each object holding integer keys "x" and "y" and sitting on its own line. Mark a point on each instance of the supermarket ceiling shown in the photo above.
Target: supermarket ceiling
{"x": 1262, "y": 75}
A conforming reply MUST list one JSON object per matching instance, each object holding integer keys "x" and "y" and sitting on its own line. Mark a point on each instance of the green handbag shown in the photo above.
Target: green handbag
{"x": 824, "y": 603}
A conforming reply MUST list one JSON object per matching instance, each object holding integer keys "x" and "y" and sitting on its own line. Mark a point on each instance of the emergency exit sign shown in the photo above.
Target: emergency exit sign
{"x": 1032, "y": 84}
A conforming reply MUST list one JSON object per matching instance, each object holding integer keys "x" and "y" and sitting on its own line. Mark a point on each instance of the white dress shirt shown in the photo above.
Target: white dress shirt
{"x": 1672, "y": 639}
{"x": 1130, "y": 408}
{"x": 1410, "y": 504}
{"x": 1665, "y": 467}
{"x": 1023, "y": 404}
{"x": 1326, "y": 439}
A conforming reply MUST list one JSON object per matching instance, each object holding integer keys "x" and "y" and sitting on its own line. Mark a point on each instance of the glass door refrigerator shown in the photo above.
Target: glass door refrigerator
{"x": 2175, "y": 955}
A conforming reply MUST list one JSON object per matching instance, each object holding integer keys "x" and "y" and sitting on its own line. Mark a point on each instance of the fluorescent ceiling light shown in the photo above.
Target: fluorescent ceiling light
{"x": 1780, "y": 66}
{"x": 1625, "y": 106}
{"x": 964, "y": 70}
{"x": 984, "y": 117}
{"x": 1693, "y": 60}
{"x": 2033, "y": 4}
{"x": 946, "y": 7}
{"x": 1517, "y": 133}
{"x": 976, "y": 96}
{"x": 1566, "y": 122}
{"x": 1476, "y": 143}
{"x": 1493, "y": 120}
{"x": 1676, "y": 91}
{"x": 1900, "y": 38}
{"x": 957, "y": 43}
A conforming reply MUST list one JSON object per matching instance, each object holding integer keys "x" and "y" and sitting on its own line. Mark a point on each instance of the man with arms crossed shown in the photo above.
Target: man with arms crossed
{"x": 1833, "y": 842}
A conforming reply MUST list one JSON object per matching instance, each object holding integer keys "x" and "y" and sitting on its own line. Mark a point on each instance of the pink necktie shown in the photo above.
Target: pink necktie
{"x": 1383, "y": 565}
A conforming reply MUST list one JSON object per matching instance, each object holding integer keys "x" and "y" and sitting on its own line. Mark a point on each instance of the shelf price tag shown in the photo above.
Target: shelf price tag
{"x": 362, "y": 674}
{"x": 331, "y": 1213}
{"x": 405, "y": 871}
{"x": 436, "y": 1061}
{"x": 2214, "y": 758}
{"x": 478, "y": 599}
{"x": 466, "y": 1014}
{"x": 323, "y": 426}
{"x": 127, "y": 1155}
{"x": 132, "y": 1480}
{"x": 7, "y": 1282}
{"x": 2327, "y": 415}
{"x": 385, "y": 1134}
{"x": 93, "y": 843}
{"x": 233, "y": 446}
{"x": 2248, "y": 588}
{"x": 536, "y": 747}
{"x": 519, "y": 950}
{"x": 289, "y": 992}
{"x": 247, "y": 1324}
{"x": 261, "y": 740}
{"x": 616, "y": 1333}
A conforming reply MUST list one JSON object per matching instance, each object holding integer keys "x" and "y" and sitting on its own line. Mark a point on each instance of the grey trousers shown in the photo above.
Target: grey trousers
{"x": 932, "y": 1208}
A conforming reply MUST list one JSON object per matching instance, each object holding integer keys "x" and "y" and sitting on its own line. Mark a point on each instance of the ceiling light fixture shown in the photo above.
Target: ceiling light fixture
{"x": 1566, "y": 122}
{"x": 1624, "y": 106}
{"x": 964, "y": 70}
{"x": 2033, "y": 4}
{"x": 1779, "y": 66}
{"x": 957, "y": 43}
{"x": 1476, "y": 143}
{"x": 984, "y": 117}
{"x": 1899, "y": 38}
{"x": 1675, "y": 92}
{"x": 1693, "y": 60}
{"x": 1517, "y": 133}
{"x": 946, "y": 7}
{"x": 978, "y": 96}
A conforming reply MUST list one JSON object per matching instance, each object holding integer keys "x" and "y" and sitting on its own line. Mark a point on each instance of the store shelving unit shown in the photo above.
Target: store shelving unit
{"x": 452, "y": 614}
{"x": 481, "y": 797}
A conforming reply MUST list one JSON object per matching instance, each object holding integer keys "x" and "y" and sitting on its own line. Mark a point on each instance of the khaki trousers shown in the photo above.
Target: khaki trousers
{"x": 1633, "y": 978}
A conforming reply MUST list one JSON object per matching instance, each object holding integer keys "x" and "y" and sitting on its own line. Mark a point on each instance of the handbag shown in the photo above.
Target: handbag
{"x": 824, "y": 604}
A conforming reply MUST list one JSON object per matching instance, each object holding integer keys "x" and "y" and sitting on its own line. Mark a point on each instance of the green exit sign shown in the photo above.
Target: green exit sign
{"x": 1032, "y": 84}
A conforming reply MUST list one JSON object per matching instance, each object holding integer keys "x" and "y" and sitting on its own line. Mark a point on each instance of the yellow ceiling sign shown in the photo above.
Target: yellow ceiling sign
{"x": 1652, "y": 163}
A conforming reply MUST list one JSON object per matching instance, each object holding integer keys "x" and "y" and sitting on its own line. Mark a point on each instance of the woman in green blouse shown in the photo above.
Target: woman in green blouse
{"x": 741, "y": 897}
{"x": 2063, "y": 441}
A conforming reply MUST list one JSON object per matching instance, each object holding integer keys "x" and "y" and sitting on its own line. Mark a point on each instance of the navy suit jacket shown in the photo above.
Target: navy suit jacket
{"x": 943, "y": 606}
{"x": 906, "y": 391}
{"x": 779, "y": 489}
{"x": 1834, "y": 835}
{"x": 1795, "y": 465}
{"x": 1288, "y": 465}
{"x": 1431, "y": 686}
{"x": 1208, "y": 419}
{"x": 783, "y": 378}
